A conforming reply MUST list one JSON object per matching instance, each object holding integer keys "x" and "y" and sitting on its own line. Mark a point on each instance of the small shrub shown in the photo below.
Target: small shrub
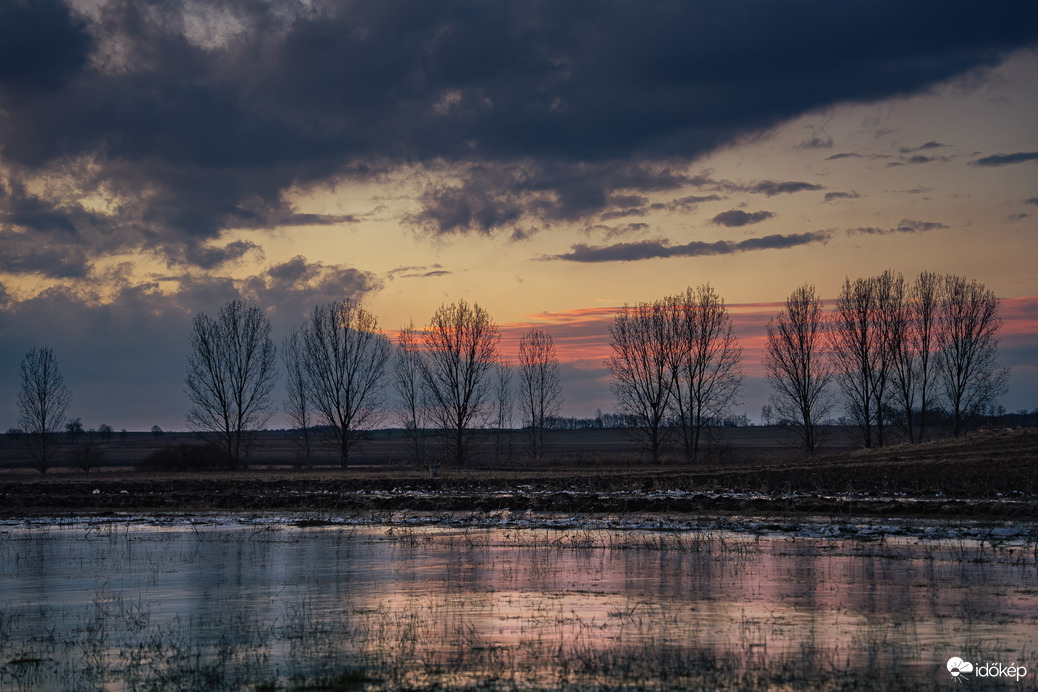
{"x": 86, "y": 457}
{"x": 185, "y": 457}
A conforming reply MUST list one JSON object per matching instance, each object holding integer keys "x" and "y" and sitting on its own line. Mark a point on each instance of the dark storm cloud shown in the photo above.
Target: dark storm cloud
{"x": 686, "y": 203}
{"x": 24, "y": 256}
{"x": 816, "y": 142}
{"x": 617, "y": 231}
{"x": 292, "y": 288}
{"x": 906, "y": 226}
{"x": 918, "y": 159}
{"x": 480, "y": 203}
{"x": 42, "y": 45}
{"x": 198, "y": 117}
{"x": 833, "y": 196}
{"x": 1007, "y": 159}
{"x": 932, "y": 144}
{"x": 653, "y": 249}
{"x": 772, "y": 188}
{"x": 1033, "y": 200}
{"x": 681, "y": 204}
{"x": 213, "y": 257}
{"x": 313, "y": 220}
{"x": 418, "y": 272}
{"x": 738, "y": 217}
{"x": 487, "y": 197}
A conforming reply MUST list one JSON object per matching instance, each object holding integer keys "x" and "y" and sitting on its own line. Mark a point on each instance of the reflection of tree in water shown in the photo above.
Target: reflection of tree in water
{"x": 227, "y": 606}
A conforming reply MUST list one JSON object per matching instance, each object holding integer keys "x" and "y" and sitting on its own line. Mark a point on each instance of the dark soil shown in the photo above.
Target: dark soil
{"x": 985, "y": 475}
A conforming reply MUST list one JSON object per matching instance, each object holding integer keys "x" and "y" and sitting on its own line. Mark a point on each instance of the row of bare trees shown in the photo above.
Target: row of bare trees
{"x": 675, "y": 367}
{"x": 339, "y": 366}
{"x": 451, "y": 377}
{"x": 895, "y": 350}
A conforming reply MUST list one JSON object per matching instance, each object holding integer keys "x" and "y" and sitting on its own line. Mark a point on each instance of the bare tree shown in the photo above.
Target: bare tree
{"x": 855, "y": 342}
{"x": 297, "y": 404}
{"x": 642, "y": 343}
{"x": 346, "y": 357}
{"x": 231, "y": 373}
{"x": 705, "y": 362}
{"x": 923, "y": 336}
{"x": 74, "y": 429}
{"x": 460, "y": 351}
{"x": 105, "y": 431}
{"x": 43, "y": 400}
{"x": 869, "y": 338}
{"x": 504, "y": 411}
{"x": 795, "y": 365}
{"x": 540, "y": 386}
{"x": 890, "y": 290}
{"x": 896, "y": 308}
{"x": 969, "y": 373}
{"x": 407, "y": 381}
{"x": 86, "y": 456}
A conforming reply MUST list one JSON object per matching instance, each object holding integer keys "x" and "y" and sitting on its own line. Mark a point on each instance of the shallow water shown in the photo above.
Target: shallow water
{"x": 270, "y": 605}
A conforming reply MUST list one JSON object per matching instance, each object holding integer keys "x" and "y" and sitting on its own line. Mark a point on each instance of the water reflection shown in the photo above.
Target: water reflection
{"x": 135, "y": 606}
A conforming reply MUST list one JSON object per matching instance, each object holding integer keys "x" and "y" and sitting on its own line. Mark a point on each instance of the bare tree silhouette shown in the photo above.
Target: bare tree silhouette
{"x": 642, "y": 342}
{"x": 346, "y": 357}
{"x": 705, "y": 362}
{"x": 890, "y": 290}
{"x": 460, "y": 352}
{"x": 505, "y": 403}
{"x": 43, "y": 400}
{"x": 231, "y": 373}
{"x": 856, "y": 345}
{"x": 796, "y": 367}
{"x": 297, "y": 404}
{"x": 968, "y": 335}
{"x": 924, "y": 335}
{"x": 407, "y": 381}
{"x": 74, "y": 429}
{"x": 540, "y": 386}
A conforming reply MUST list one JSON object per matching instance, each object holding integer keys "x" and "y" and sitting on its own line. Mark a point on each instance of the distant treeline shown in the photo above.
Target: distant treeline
{"x": 900, "y": 358}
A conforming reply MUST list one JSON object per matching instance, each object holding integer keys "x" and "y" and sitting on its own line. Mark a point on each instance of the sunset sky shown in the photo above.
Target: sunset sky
{"x": 550, "y": 161}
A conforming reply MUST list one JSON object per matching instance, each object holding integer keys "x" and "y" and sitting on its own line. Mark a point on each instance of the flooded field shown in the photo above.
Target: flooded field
{"x": 277, "y": 603}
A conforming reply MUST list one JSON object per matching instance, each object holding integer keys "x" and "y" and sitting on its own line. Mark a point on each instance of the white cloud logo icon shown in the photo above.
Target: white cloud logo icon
{"x": 956, "y": 666}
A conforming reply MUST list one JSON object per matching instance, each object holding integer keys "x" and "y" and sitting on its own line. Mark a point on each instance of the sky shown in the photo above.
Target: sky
{"x": 550, "y": 161}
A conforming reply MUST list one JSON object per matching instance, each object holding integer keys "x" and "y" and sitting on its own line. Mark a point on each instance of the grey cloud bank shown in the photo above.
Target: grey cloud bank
{"x": 198, "y": 117}
{"x": 627, "y": 252}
